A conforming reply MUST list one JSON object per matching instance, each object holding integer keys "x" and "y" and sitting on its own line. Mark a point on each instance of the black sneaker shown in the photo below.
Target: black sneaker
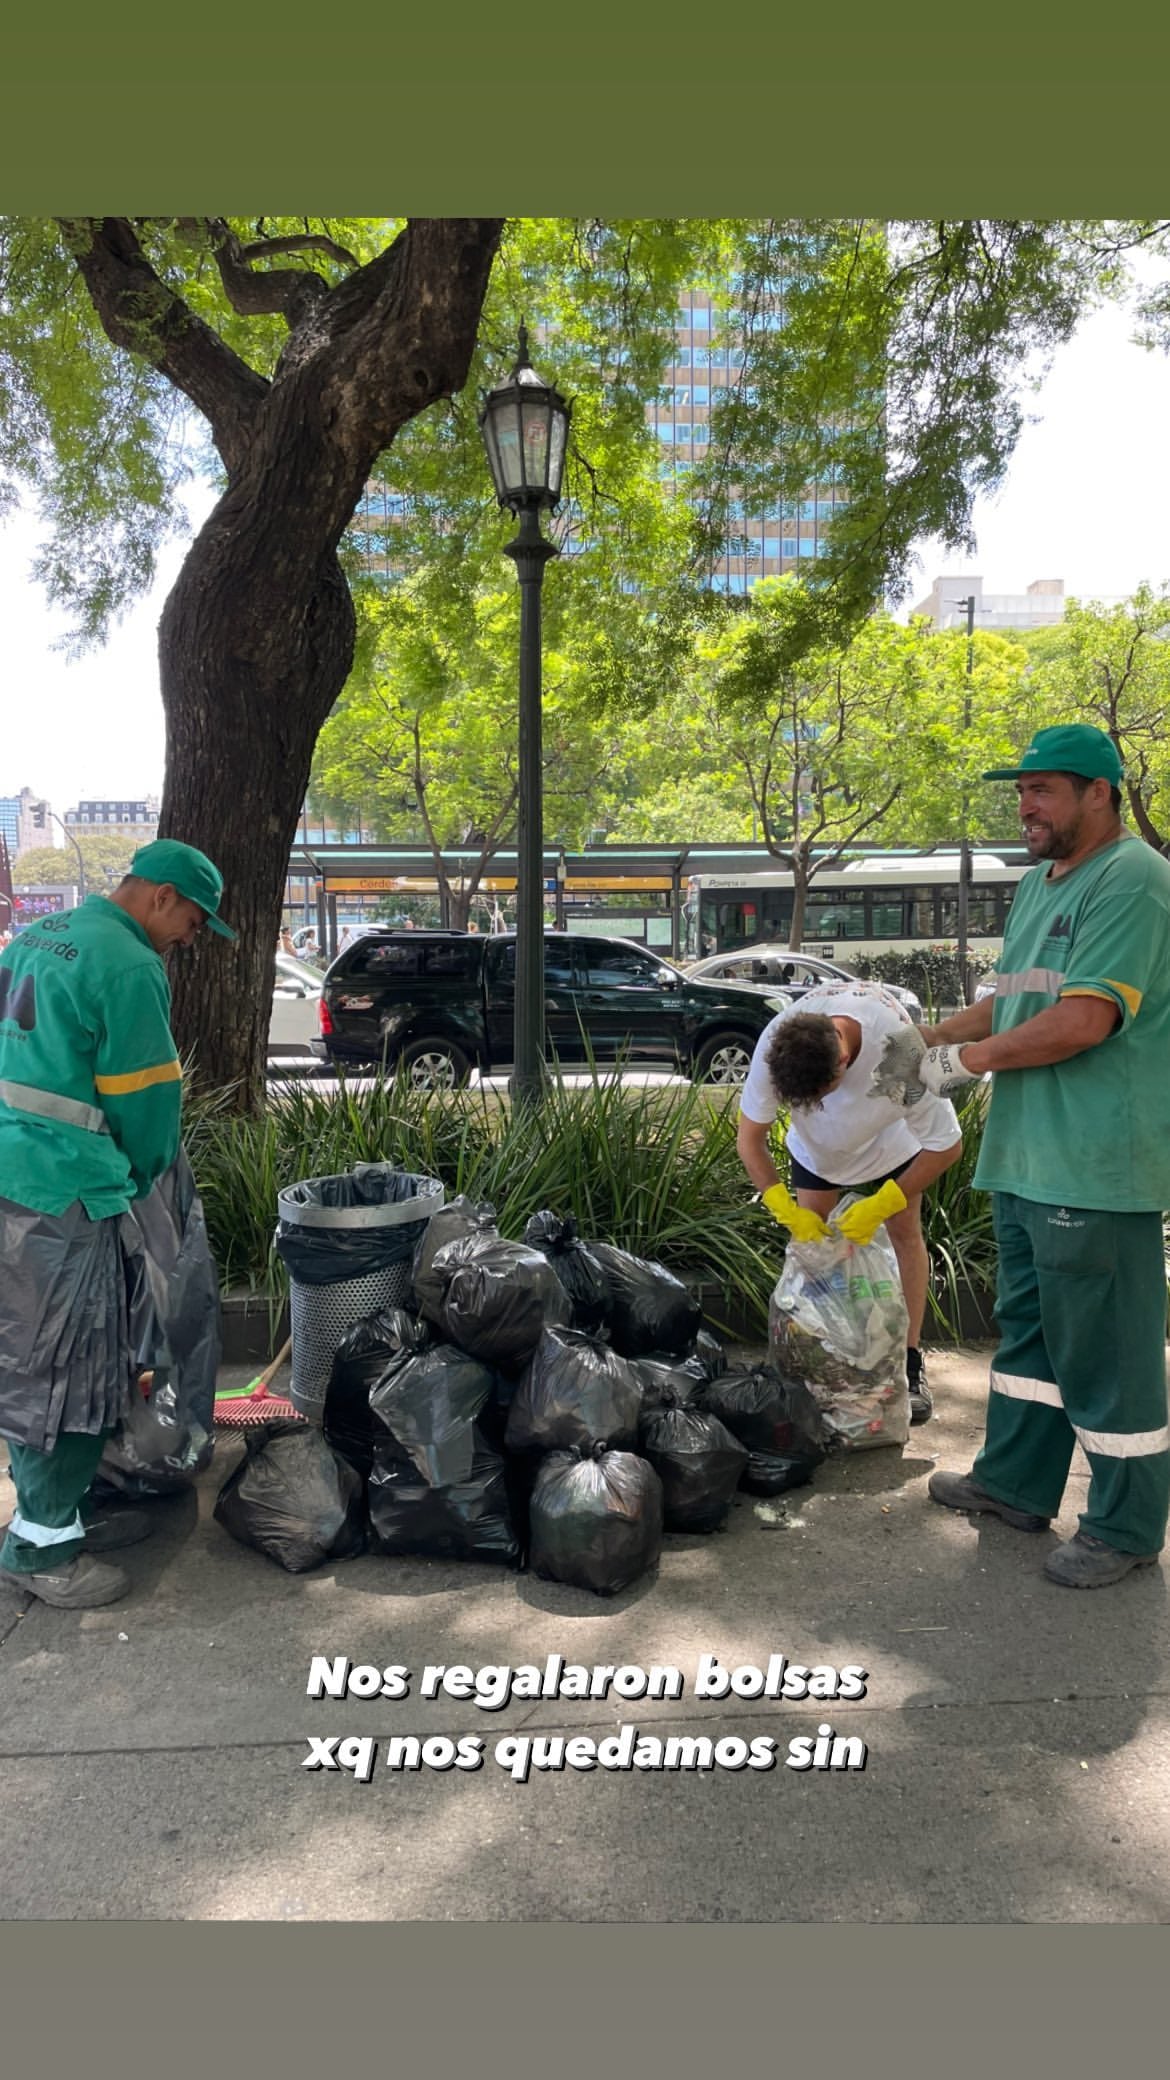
{"x": 921, "y": 1403}
{"x": 1085, "y": 1562}
{"x": 959, "y": 1491}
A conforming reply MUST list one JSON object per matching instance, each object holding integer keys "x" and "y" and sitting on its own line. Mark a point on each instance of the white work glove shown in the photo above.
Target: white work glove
{"x": 908, "y": 1069}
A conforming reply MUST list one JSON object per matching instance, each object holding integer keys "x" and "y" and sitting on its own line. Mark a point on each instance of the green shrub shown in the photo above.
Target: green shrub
{"x": 653, "y": 1169}
{"x": 932, "y": 972}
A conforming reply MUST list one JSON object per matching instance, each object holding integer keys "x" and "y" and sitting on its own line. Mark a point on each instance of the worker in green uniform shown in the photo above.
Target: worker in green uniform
{"x": 90, "y": 1096}
{"x": 1076, "y": 1152}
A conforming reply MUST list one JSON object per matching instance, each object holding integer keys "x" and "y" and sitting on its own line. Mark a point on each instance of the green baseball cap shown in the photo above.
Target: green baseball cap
{"x": 191, "y": 872}
{"x": 1069, "y": 747}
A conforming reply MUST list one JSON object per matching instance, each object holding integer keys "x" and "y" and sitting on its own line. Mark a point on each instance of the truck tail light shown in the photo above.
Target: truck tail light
{"x": 324, "y": 1020}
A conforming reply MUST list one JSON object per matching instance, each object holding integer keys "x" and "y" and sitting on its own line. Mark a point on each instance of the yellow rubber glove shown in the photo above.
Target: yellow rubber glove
{"x": 860, "y": 1223}
{"x": 804, "y": 1224}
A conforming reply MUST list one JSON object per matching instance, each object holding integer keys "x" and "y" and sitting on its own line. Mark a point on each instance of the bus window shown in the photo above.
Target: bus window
{"x": 737, "y": 922}
{"x": 885, "y": 916}
{"x": 836, "y": 914}
{"x": 920, "y": 922}
{"x": 982, "y": 922}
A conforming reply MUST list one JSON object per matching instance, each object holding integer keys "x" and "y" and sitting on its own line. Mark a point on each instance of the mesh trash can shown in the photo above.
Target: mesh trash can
{"x": 347, "y": 1244}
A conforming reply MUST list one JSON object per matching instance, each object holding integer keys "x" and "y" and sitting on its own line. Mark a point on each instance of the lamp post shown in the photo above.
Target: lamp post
{"x": 525, "y": 426}
{"x": 66, "y": 832}
{"x": 963, "y": 919}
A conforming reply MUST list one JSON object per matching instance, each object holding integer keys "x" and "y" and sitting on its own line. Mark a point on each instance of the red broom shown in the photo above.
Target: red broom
{"x": 237, "y": 1408}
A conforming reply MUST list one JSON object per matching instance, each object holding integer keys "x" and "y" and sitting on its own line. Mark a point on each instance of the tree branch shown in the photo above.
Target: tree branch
{"x": 290, "y": 292}
{"x": 306, "y": 241}
{"x": 138, "y": 311}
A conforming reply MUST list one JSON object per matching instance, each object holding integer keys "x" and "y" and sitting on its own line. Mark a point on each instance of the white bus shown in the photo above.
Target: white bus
{"x": 883, "y": 904}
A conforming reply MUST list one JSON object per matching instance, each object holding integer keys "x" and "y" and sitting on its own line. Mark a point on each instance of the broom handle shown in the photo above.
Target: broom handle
{"x": 270, "y": 1371}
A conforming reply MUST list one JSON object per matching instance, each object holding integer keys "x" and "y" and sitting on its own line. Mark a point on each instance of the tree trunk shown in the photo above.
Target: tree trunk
{"x": 254, "y": 648}
{"x": 799, "y": 902}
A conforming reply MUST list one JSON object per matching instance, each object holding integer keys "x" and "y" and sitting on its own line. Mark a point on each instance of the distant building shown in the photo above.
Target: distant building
{"x": 1041, "y": 606}
{"x": 26, "y": 821}
{"x": 124, "y": 817}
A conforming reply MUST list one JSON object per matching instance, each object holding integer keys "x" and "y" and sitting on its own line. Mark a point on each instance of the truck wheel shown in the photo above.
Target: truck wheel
{"x": 435, "y": 1065}
{"x": 725, "y": 1059}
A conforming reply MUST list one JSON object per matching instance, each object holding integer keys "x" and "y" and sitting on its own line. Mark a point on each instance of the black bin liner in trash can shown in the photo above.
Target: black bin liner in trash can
{"x": 596, "y": 1520}
{"x": 649, "y": 1308}
{"x": 575, "y": 1265}
{"x": 366, "y": 1352}
{"x": 777, "y": 1419}
{"x": 166, "y": 1439}
{"x": 698, "y": 1461}
{"x": 437, "y": 1487}
{"x": 294, "y": 1498}
{"x": 348, "y": 1243}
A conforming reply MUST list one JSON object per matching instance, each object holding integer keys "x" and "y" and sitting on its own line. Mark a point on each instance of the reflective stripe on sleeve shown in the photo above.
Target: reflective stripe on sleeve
{"x": 25, "y": 1097}
{"x": 1041, "y": 982}
{"x": 1125, "y": 1444}
{"x": 1017, "y": 1388}
{"x": 46, "y": 1534}
{"x": 139, "y": 1079}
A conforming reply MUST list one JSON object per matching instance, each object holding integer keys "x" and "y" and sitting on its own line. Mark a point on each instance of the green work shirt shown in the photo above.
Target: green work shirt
{"x": 90, "y": 1084}
{"x": 1093, "y": 1131}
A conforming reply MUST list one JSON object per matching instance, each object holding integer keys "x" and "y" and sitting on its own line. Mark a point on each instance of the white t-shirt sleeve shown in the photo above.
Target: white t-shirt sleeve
{"x": 933, "y": 1122}
{"x": 758, "y": 1100}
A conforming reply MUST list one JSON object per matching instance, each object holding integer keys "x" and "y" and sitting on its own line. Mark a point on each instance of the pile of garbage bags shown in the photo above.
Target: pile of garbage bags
{"x": 551, "y": 1401}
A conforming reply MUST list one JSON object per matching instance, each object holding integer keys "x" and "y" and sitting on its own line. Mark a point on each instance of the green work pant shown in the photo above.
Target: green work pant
{"x": 46, "y": 1532}
{"x": 1081, "y": 1307}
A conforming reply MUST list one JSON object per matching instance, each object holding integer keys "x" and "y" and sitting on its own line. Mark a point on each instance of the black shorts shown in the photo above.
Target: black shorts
{"x": 807, "y": 1180}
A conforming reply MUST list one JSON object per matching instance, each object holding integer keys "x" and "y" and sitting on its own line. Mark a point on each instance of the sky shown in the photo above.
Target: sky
{"x": 1084, "y": 500}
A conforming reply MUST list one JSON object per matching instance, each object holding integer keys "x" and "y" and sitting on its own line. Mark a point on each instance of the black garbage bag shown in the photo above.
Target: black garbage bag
{"x": 575, "y": 1390}
{"x": 708, "y": 1352}
{"x": 294, "y": 1498}
{"x": 498, "y": 1296}
{"x": 575, "y": 1265}
{"x": 437, "y": 1486}
{"x": 698, "y": 1461}
{"x": 663, "y": 1378}
{"x": 398, "y": 1205}
{"x": 459, "y": 1217}
{"x": 165, "y": 1440}
{"x": 461, "y": 1520}
{"x": 596, "y": 1521}
{"x": 777, "y": 1419}
{"x": 649, "y": 1309}
{"x": 364, "y": 1355}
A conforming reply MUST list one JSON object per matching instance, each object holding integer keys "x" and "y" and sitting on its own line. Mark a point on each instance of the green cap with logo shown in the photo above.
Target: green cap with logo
{"x": 191, "y": 872}
{"x": 1069, "y": 747}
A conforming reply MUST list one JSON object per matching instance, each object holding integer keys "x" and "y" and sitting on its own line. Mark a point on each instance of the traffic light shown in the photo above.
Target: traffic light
{"x": 40, "y": 810}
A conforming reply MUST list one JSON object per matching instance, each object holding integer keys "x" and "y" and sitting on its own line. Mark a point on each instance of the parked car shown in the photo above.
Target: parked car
{"x": 296, "y": 993}
{"x": 776, "y": 967}
{"x": 443, "y": 1003}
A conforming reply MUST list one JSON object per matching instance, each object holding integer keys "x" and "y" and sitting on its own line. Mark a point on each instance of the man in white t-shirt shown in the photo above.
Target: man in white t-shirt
{"x": 816, "y": 1060}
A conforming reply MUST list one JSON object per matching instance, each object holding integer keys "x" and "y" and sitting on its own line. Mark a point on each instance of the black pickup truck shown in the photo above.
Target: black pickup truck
{"x": 443, "y": 1004}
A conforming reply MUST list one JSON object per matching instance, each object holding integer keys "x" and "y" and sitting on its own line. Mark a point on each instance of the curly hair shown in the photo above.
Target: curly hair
{"x": 804, "y": 1058}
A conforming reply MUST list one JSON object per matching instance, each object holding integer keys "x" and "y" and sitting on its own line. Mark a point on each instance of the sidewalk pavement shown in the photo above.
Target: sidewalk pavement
{"x": 1017, "y": 1734}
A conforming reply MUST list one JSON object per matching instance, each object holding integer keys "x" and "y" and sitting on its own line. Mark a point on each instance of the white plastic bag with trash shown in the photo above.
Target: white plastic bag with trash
{"x": 838, "y": 1320}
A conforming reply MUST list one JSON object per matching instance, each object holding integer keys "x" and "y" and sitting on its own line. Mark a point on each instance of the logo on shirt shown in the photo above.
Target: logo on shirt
{"x": 1060, "y": 928}
{"x": 1062, "y": 1218}
{"x": 18, "y": 1000}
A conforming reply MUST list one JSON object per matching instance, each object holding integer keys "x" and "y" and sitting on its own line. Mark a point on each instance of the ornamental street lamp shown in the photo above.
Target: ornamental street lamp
{"x": 963, "y": 960}
{"x": 525, "y": 425}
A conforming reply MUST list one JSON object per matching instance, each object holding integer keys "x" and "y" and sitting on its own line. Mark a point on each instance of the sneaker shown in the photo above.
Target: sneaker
{"x": 109, "y": 1530}
{"x": 81, "y": 1586}
{"x": 921, "y": 1401}
{"x": 958, "y": 1491}
{"x": 1085, "y": 1562}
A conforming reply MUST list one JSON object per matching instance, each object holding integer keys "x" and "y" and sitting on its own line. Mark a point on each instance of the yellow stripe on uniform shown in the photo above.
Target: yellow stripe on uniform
{"x": 1131, "y": 997}
{"x": 139, "y": 1079}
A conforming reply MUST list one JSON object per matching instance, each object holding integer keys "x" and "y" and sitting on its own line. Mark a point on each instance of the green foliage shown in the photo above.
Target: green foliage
{"x": 653, "y": 1171}
{"x": 932, "y": 972}
{"x": 106, "y": 856}
{"x": 957, "y": 1225}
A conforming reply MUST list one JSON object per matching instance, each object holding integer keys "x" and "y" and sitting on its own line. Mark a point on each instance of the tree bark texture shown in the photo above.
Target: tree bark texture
{"x": 256, "y": 638}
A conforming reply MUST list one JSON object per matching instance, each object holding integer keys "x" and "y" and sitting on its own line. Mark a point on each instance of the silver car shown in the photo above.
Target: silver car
{"x": 772, "y": 967}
